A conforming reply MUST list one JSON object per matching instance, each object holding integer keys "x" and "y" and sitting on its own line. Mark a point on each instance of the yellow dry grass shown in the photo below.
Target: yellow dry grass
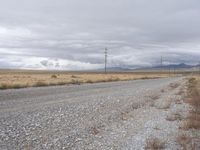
{"x": 193, "y": 120}
{"x": 25, "y": 78}
{"x": 154, "y": 144}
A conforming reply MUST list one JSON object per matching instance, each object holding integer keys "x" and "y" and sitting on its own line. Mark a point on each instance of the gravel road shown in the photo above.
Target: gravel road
{"x": 116, "y": 115}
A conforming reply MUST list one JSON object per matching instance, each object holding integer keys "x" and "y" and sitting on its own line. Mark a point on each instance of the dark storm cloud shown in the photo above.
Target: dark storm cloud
{"x": 72, "y": 34}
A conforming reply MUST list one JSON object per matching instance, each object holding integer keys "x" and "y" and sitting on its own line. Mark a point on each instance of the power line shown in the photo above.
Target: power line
{"x": 161, "y": 63}
{"x": 106, "y": 55}
{"x": 199, "y": 67}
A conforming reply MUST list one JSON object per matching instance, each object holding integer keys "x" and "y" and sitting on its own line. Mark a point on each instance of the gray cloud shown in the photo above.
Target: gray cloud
{"x": 72, "y": 34}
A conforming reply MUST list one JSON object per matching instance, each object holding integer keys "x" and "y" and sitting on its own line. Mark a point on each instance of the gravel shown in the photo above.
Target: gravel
{"x": 116, "y": 115}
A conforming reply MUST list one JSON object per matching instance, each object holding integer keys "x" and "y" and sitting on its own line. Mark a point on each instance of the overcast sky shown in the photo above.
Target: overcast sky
{"x": 72, "y": 34}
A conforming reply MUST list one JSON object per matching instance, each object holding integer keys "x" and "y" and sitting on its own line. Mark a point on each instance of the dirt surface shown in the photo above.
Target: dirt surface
{"x": 115, "y": 115}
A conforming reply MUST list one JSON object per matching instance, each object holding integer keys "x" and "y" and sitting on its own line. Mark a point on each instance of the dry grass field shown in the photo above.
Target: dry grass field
{"x": 193, "y": 120}
{"x": 25, "y": 78}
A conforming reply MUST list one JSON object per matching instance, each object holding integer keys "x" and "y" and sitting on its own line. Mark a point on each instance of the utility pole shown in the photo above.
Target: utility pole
{"x": 174, "y": 71}
{"x": 106, "y": 54}
{"x": 161, "y": 63}
{"x": 199, "y": 68}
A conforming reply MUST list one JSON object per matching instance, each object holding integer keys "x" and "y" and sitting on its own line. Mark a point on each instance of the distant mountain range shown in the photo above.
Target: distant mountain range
{"x": 171, "y": 66}
{"x": 177, "y": 66}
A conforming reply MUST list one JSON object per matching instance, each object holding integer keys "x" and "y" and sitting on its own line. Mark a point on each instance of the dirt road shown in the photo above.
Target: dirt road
{"x": 116, "y": 115}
